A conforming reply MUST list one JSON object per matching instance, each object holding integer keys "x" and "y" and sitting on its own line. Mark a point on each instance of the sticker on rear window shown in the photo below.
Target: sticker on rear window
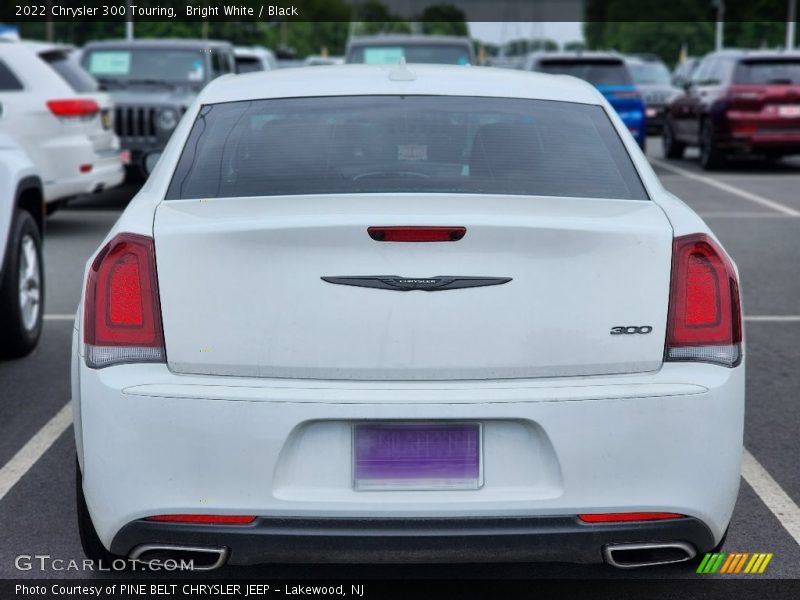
{"x": 110, "y": 63}
{"x": 197, "y": 72}
{"x": 412, "y": 152}
{"x": 382, "y": 56}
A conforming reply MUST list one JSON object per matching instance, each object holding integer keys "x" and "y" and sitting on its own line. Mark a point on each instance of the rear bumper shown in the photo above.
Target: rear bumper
{"x": 636, "y": 123}
{"x": 107, "y": 172}
{"x": 754, "y": 134}
{"x": 151, "y": 442}
{"x": 293, "y": 540}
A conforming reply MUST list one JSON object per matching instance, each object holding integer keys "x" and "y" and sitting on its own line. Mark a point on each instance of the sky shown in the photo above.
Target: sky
{"x": 500, "y": 32}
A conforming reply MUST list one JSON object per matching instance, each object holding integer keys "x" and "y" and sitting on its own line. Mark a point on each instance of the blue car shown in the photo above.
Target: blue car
{"x": 608, "y": 73}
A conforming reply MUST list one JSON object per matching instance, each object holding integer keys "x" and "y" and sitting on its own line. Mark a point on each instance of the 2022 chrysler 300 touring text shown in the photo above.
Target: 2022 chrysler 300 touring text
{"x": 407, "y": 313}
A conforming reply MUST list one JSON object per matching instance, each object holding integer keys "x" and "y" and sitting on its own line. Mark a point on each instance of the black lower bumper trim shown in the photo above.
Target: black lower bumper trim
{"x": 476, "y": 539}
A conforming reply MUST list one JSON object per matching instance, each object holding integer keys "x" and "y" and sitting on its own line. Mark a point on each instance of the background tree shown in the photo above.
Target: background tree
{"x": 374, "y": 17}
{"x": 444, "y": 19}
{"x": 748, "y": 24}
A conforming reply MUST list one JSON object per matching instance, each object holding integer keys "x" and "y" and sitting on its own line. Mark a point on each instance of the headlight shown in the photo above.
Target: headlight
{"x": 167, "y": 119}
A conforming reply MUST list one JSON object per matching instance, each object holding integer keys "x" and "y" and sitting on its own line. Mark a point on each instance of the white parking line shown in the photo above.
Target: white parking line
{"x": 31, "y": 452}
{"x": 773, "y": 318}
{"x": 777, "y": 206}
{"x": 59, "y": 317}
{"x": 778, "y": 502}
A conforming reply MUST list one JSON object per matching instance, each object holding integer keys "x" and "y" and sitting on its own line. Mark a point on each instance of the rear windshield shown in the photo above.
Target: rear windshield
{"x": 70, "y": 71}
{"x": 776, "y": 71}
{"x": 412, "y": 144}
{"x": 247, "y": 64}
{"x": 596, "y": 72}
{"x": 650, "y": 73}
{"x": 442, "y": 54}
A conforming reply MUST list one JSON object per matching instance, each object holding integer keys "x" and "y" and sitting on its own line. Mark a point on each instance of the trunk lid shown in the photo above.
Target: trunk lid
{"x": 242, "y": 290}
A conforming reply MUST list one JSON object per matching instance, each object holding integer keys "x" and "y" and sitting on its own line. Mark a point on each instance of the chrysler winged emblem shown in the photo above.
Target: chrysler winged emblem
{"x": 424, "y": 284}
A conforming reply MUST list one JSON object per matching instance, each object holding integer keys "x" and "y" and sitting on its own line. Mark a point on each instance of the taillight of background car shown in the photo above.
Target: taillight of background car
{"x": 74, "y": 108}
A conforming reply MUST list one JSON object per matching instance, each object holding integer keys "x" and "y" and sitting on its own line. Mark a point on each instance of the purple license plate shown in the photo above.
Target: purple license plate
{"x": 417, "y": 456}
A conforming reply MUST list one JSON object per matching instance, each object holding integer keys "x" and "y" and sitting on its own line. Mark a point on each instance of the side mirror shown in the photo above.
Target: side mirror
{"x": 150, "y": 162}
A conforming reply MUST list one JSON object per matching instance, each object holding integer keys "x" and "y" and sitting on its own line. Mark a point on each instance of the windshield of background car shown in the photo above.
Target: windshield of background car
{"x": 147, "y": 65}
{"x": 248, "y": 64}
{"x": 650, "y": 73}
{"x": 410, "y": 144}
{"x": 773, "y": 71}
{"x": 596, "y": 72}
{"x": 442, "y": 54}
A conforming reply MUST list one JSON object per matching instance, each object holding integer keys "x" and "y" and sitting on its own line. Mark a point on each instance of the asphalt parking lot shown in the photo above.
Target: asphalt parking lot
{"x": 754, "y": 209}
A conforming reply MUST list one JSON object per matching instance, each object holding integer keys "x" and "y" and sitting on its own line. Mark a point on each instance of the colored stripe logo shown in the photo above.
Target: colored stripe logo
{"x": 737, "y": 562}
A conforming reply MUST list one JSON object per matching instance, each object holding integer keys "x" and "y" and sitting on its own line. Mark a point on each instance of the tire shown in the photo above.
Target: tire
{"x": 710, "y": 156}
{"x": 90, "y": 542}
{"x": 21, "y": 288}
{"x": 671, "y": 147}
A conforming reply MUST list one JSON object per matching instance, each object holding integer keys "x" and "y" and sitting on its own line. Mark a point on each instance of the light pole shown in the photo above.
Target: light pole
{"x": 719, "y": 35}
{"x": 128, "y": 21}
{"x": 790, "y": 25}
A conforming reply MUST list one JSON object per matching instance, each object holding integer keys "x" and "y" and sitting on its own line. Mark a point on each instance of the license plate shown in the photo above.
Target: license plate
{"x": 791, "y": 110}
{"x": 417, "y": 456}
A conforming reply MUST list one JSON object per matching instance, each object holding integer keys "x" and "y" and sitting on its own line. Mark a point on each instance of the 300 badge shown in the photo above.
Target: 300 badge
{"x": 631, "y": 329}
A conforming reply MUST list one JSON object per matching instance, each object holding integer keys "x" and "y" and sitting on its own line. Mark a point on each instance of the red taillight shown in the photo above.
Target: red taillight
{"x": 416, "y": 234}
{"x": 74, "y": 107}
{"x": 215, "y": 519}
{"x": 634, "y": 516}
{"x": 85, "y": 168}
{"x": 122, "y": 311}
{"x": 705, "y": 320}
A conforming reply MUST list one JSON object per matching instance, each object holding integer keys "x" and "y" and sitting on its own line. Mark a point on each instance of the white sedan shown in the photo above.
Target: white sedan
{"x": 407, "y": 313}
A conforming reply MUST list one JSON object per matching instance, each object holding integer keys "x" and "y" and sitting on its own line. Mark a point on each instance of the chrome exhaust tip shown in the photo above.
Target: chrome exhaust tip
{"x": 201, "y": 558}
{"x": 632, "y": 556}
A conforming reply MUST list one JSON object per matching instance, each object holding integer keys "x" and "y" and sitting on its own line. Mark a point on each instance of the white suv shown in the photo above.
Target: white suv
{"x": 21, "y": 271}
{"x": 64, "y": 123}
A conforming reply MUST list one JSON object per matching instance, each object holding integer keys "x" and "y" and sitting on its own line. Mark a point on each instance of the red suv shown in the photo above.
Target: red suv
{"x": 737, "y": 102}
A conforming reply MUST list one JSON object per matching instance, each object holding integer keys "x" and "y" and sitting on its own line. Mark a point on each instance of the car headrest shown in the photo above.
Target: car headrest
{"x": 285, "y": 149}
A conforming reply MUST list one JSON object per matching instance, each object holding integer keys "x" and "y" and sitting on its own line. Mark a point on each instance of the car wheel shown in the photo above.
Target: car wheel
{"x": 90, "y": 542}
{"x": 672, "y": 148}
{"x": 22, "y": 288}
{"x": 710, "y": 155}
